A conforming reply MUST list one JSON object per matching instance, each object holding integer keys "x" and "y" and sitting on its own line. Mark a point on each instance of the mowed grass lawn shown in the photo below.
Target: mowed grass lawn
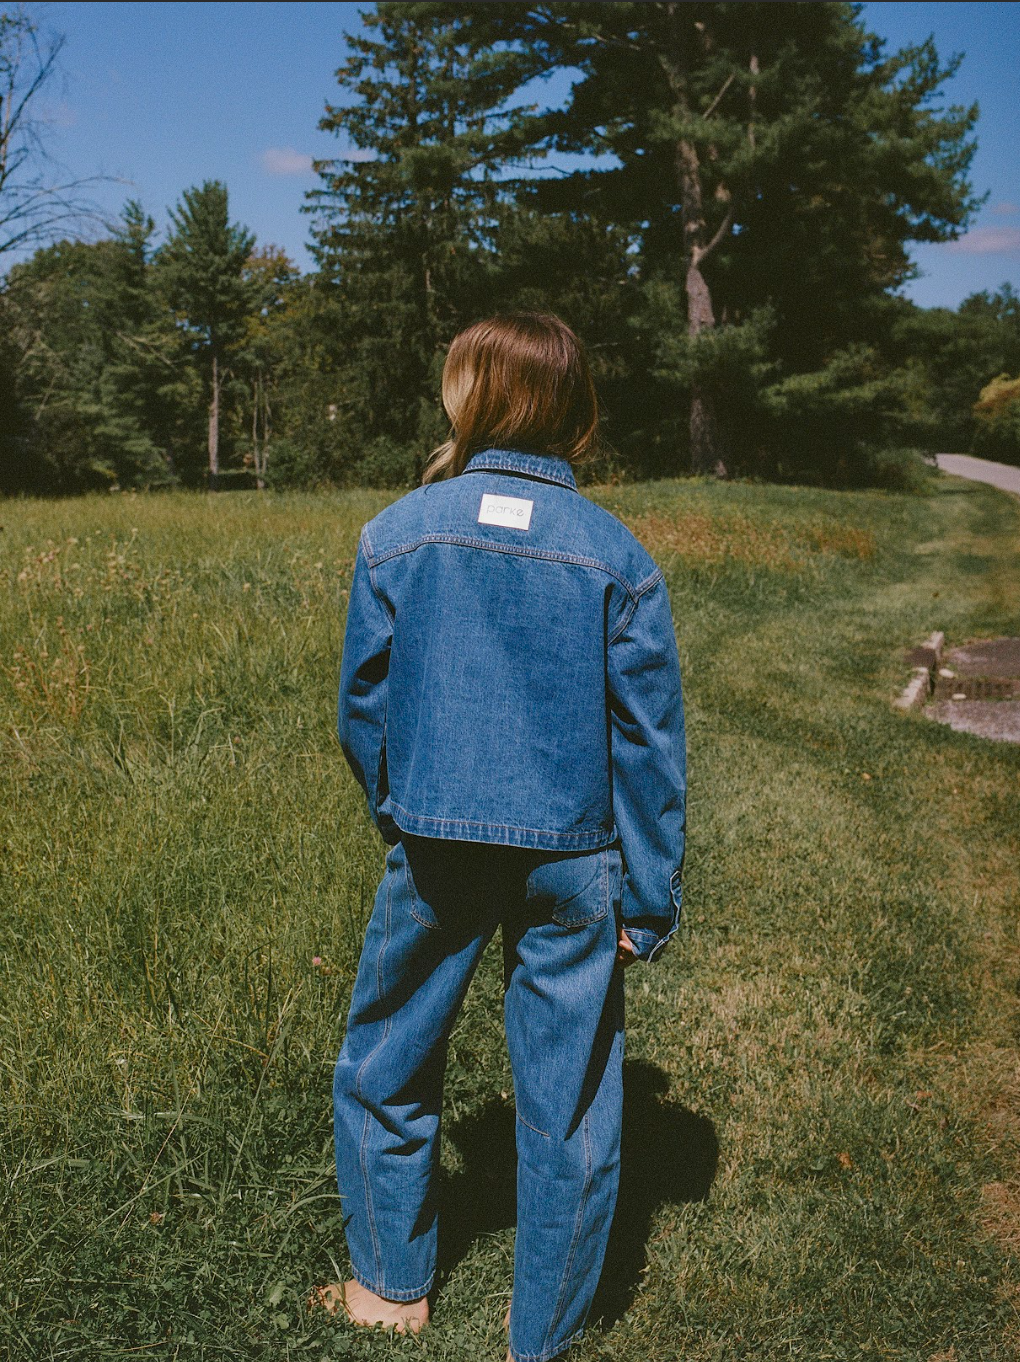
{"x": 822, "y": 1156}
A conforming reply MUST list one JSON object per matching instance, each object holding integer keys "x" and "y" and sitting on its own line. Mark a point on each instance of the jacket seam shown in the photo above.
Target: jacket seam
{"x": 648, "y": 585}
{"x": 546, "y": 555}
{"x": 371, "y": 563}
{"x": 496, "y": 827}
{"x": 496, "y": 460}
{"x": 547, "y": 478}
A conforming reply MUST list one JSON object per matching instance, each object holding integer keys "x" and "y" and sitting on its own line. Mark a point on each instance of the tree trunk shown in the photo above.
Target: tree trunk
{"x": 706, "y": 441}
{"x": 214, "y": 427}
{"x": 707, "y": 452}
{"x": 707, "y": 444}
{"x": 267, "y": 428}
{"x": 260, "y": 448}
{"x": 255, "y": 434}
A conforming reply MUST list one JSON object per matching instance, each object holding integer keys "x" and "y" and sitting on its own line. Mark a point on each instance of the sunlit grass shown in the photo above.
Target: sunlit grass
{"x": 705, "y": 539}
{"x": 820, "y": 1162}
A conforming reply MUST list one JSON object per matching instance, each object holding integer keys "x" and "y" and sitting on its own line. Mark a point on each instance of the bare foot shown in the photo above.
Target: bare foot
{"x": 362, "y": 1306}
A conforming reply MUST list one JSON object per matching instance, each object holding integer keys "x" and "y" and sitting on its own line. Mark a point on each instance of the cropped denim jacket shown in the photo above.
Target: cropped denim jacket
{"x": 510, "y": 675}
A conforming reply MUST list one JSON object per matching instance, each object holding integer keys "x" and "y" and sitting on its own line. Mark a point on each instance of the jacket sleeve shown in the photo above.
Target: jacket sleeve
{"x": 649, "y": 768}
{"x": 364, "y": 685}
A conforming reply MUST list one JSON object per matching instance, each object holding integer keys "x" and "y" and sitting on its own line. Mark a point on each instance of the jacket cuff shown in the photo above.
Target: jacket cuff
{"x": 649, "y": 944}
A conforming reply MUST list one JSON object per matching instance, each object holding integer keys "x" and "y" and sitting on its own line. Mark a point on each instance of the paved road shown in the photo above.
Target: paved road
{"x": 981, "y": 470}
{"x": 996, "y": 719}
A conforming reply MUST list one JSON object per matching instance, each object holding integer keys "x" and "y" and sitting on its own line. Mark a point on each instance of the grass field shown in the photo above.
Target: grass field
{"x": 822, "y": 1146}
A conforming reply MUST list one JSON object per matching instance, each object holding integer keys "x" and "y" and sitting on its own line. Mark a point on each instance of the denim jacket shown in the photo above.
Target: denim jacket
{"x": 510, "y": 675}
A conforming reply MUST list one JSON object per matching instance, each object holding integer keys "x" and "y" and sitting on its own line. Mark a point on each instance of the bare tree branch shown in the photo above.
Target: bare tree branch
{"x": 38, "y": 202}
{"x": 715, "y": 102}
{"x": 723, "y": 230}
{"x": 752, "y": 96}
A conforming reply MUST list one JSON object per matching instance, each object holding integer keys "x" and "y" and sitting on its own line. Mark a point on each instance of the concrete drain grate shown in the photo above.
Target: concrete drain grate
{"x": 977, "y": 688}
{"x": 974, "y": 688}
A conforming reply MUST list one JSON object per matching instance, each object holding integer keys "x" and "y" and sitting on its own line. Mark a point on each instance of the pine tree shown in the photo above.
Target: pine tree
{"x": 767, "y": 156}
{"x": 202, "y": 269}
{"x": 134, "y": 421}
{"x": 261, "y": 354}
{"x": 407, "y": 221}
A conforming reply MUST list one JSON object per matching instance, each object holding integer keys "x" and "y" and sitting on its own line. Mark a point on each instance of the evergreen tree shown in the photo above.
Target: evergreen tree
{"x": 774, "y": 164}
{"x": 406, "y": 223}
{"x": 202, "y": 271}
{"x": 272, "y": 278}
{"x": 134, "y": 418}
{"x": 574, "y": 263}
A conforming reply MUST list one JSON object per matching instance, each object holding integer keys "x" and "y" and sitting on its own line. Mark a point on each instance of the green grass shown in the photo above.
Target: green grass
{"x": 822, "y": 1151}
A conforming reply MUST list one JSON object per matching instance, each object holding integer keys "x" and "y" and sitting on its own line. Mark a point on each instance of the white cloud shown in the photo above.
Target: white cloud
{"x": 286, "y": 161}
{"x": 1005, "y": 210}
{"x": 59, "y": 115}
{"x": 988, "y": 241}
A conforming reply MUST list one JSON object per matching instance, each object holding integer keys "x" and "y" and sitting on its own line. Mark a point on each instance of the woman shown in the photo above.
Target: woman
{"x": 510, "y": 703}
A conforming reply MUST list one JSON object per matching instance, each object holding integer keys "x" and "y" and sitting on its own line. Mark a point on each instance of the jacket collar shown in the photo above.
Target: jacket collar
{"x": 544, "y": 467}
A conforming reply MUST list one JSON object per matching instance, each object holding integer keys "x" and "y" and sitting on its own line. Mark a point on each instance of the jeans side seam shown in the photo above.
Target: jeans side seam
{"x": 366, "y": 1181}
{"x": 578, "y": 1222}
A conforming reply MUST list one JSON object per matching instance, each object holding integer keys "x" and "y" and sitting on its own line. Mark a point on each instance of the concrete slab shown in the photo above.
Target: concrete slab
{"x": 987, "y": 657}
{"x": 995, "y": 719}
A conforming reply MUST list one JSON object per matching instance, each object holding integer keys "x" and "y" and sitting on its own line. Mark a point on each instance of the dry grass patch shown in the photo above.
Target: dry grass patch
{"x": 755, "y": 542}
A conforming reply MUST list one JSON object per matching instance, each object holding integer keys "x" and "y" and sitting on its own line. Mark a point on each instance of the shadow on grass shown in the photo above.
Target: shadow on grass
{"x": 669, "y": 1156}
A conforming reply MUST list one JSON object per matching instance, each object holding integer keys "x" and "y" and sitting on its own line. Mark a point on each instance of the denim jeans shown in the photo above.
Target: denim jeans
{"x": 437, "y": 907}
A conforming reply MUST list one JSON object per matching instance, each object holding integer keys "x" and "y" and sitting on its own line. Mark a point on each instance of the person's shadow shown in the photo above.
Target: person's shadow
{"x": 669, "y": 1156}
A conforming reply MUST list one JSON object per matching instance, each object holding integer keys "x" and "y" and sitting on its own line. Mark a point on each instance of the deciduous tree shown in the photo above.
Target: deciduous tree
{"x": 202, "y": 266}
{"x": 95, "y": 365}
{"x": 38, "y": 201}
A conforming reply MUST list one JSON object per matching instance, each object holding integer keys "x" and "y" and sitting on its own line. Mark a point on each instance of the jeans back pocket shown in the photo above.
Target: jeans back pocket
{"x": 571, "y": 889}
{"x": 445, "y": 880}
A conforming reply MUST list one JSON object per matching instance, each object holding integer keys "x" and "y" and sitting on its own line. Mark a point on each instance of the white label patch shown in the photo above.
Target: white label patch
{"x": 514, "y": 512}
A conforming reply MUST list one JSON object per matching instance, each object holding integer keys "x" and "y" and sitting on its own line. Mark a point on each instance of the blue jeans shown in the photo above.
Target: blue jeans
{"x": 438, "y": 906}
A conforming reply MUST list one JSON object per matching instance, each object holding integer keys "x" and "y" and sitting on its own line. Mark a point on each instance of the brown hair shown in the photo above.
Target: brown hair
{"x": 516, "y": 381}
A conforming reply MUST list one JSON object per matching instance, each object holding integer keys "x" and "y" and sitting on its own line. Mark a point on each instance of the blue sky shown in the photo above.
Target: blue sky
{"x": 165, "y": 95}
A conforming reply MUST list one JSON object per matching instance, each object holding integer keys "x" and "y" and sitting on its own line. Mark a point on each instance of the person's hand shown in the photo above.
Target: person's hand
{"x": 625, "y": 954}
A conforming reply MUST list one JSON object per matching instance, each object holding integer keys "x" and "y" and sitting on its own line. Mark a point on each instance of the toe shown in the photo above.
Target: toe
{"x": 329, "y": 1298}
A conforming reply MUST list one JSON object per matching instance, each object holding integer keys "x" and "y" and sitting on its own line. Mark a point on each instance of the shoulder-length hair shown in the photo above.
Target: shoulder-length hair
{"x": 516, "y": 381}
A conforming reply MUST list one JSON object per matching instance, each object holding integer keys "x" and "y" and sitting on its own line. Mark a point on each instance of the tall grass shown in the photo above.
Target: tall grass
{"x": 821, "y": 1153}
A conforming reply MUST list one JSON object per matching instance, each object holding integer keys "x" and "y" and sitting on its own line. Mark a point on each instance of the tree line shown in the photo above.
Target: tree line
{"x": 722, "y": 207}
